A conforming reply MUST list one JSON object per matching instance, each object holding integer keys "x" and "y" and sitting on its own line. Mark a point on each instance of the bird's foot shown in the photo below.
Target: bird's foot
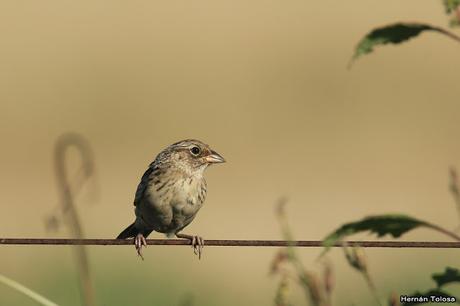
{"x": 197, "y": 243}
{"x": 140, "y": 242}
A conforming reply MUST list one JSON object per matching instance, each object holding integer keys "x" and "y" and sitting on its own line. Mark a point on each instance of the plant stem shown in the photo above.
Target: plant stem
{"x": 442, "y": 230}
{"x": 26, "y": 291}
{"x": 69, "y": 208}
{"x": 371, "y": 286}
{"x": 448, "y": 34}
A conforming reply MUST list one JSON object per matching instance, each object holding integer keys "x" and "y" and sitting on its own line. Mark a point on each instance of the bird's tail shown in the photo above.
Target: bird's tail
{"x": 129, "y": 232}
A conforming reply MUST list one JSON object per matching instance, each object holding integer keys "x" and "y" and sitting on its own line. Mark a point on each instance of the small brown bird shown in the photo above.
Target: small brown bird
{"x": 171, "y": 193}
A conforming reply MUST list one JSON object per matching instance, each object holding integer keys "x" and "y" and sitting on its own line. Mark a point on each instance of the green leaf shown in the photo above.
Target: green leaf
{"x": 394, "y": 225}
{"x": 450, "y": 5}
{"x": 432, "y": 292}
{"x": 451, "y": 275}
{"x": 394, "y": 33}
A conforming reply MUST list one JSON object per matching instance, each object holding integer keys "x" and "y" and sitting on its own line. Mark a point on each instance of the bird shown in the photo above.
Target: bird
{"x": 171, "y": 192}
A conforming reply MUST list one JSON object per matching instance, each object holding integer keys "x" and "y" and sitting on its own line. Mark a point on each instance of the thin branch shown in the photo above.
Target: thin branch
{"x": 234, "y": 243}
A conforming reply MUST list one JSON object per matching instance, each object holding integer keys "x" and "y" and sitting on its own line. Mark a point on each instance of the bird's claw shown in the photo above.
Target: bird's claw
{"x": 197, "y": 245}
{"x": 140, "y": 242}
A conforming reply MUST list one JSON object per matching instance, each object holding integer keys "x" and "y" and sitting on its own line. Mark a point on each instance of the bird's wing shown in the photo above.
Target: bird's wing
{"x": 143, "y": 185}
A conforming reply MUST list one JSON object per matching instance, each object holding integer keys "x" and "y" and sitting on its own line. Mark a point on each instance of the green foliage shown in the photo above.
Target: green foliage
{"x": 399, "y": 32}
{"x": 394, "y": 34}
{"x": 451, "y": 275}
{"x": 450, "y": 5}
{"x": 394, "y": 225}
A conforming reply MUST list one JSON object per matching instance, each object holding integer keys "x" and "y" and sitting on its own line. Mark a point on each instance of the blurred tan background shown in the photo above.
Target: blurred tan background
{"x": 265, "y": 84}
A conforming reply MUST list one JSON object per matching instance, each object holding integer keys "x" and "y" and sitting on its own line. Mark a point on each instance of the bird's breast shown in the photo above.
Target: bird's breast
{"x": 173, "y": 204}
{"x": 189, "y": 194}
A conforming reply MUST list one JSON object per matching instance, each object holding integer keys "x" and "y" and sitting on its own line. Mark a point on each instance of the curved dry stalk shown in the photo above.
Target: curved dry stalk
{"x": 83, "y": 147}
{"x": 26, "y": 291}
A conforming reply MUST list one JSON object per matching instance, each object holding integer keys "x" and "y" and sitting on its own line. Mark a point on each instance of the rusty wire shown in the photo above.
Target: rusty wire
{"x": 232, "y": 243}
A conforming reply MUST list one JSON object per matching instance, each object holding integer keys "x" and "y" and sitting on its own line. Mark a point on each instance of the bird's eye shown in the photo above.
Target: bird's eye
{"x": 195, "y": 151}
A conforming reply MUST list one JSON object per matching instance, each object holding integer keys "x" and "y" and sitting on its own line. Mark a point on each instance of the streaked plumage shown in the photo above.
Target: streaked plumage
{"x": 171, "y": 192}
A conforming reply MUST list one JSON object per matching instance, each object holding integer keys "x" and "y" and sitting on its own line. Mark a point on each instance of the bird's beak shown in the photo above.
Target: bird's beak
{"x": 214, "y": 158}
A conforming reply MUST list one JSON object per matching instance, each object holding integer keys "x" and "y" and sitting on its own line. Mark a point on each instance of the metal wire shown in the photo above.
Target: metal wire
{"x": 232, "y": 243}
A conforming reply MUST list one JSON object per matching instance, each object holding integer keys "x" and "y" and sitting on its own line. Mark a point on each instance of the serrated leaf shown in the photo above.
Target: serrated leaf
{"x": 450, "y": 5}
{"x": 394, "y": 34}
{"x": 451, "y": 275}
{"x": 394, "y": 225}
{"x": 432, "y": 292}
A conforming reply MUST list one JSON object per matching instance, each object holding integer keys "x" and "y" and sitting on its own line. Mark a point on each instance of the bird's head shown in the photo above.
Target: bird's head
{"x": 193, "y": 156}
